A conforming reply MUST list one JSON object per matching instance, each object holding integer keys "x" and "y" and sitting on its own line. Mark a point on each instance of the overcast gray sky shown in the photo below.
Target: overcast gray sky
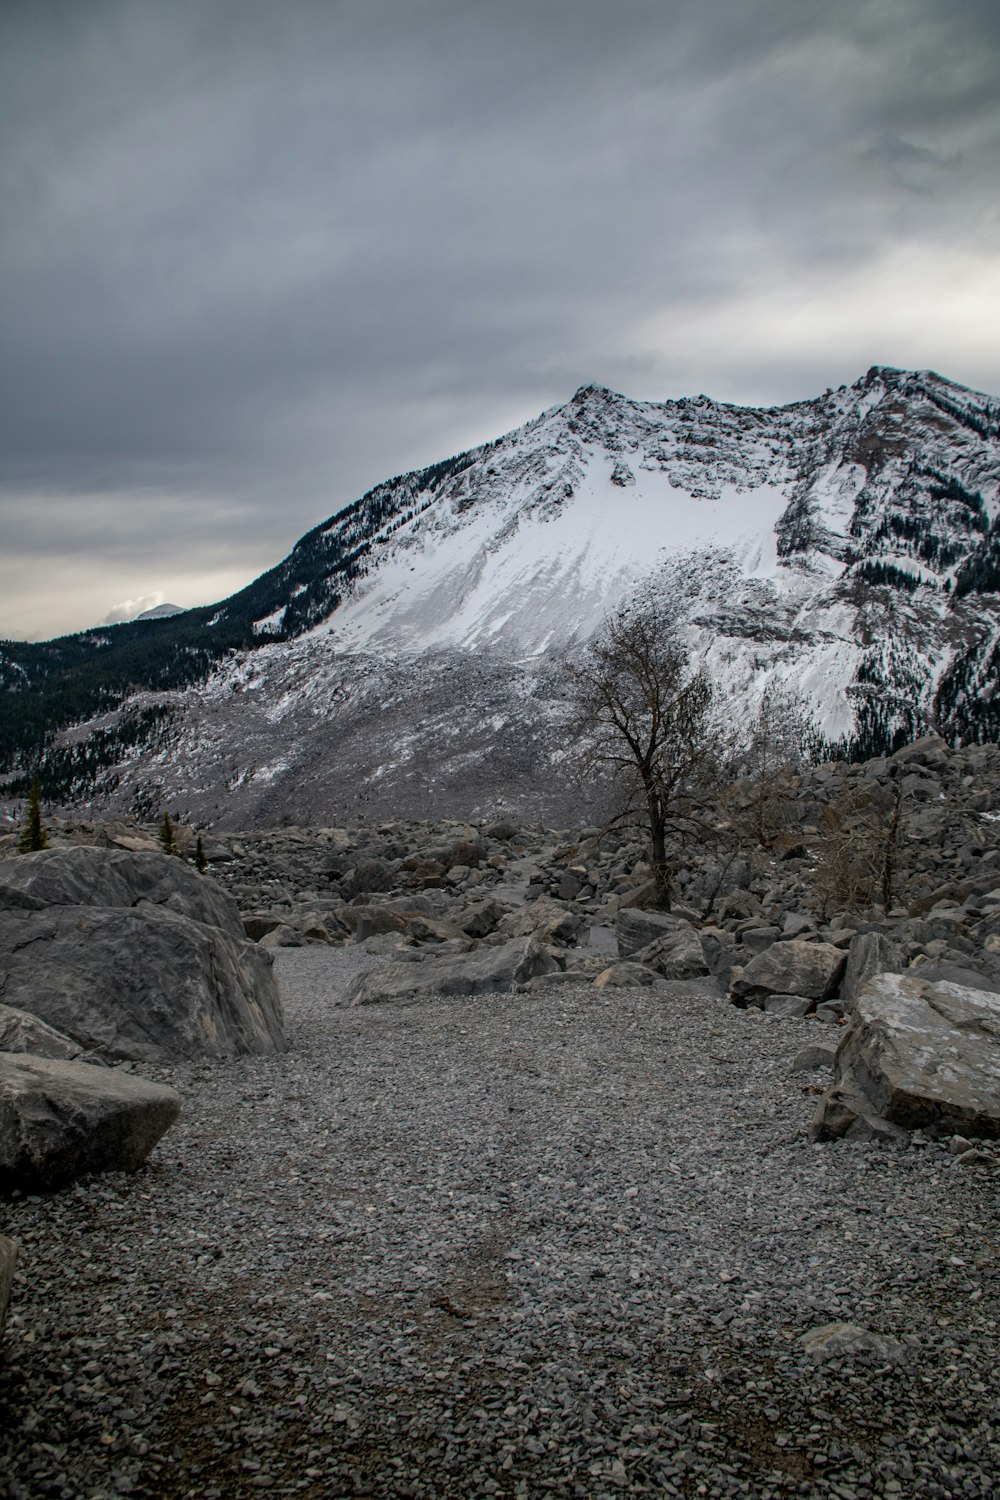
{"x": 257, "y": 256}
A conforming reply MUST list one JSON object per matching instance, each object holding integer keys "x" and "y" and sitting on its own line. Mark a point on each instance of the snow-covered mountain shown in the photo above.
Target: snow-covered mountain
{"x": 407, "y": 652}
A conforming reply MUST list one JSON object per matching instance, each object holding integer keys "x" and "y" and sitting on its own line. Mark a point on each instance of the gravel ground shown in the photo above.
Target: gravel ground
{"x": 537, "y": 1245}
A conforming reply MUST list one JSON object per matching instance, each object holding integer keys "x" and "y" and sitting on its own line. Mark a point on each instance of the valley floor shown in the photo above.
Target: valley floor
{"x": 560, "y": 1244}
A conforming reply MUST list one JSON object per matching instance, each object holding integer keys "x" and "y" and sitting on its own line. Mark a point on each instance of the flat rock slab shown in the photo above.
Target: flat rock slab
{"x": 488, "y": 971}
{"x": 917, "y": 1055}
{"x": 61, "y": 1119}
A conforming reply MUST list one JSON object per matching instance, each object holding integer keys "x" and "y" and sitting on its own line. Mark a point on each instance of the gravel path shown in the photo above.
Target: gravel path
{"x": 560, "y": 1245}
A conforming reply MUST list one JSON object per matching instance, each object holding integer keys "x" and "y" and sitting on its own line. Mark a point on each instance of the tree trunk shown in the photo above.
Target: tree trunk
{"x": 658, "y": 849}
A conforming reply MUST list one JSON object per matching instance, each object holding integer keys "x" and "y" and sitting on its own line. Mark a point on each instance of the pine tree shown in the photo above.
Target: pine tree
{"x": 200, "y": 862}
{"x": 166, "y": 836}
{"x": 33, "y": 835}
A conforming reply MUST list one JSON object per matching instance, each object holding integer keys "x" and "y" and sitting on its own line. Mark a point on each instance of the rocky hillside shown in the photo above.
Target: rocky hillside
{"x": 406, "y": 654}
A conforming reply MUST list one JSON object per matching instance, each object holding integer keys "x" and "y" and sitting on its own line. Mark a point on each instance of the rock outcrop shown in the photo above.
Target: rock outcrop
{"x": 916, "y": 1055}
{"x": 60, "y": 1119}
{"x": 133, "y": 956}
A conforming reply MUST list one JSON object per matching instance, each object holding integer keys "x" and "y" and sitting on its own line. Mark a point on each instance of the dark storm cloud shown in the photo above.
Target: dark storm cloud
{"x": 261, "y": 255}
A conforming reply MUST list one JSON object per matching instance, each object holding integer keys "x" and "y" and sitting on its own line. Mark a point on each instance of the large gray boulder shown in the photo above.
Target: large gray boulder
{"x": 8, "y": 1261}
{"x": 487, "y": 971}
{"x": 812, "y": 970}
{"x": 637, "y": 928}
{"x": 544, "y": 919}
{"x": 60, "y": 1119}
{"x": 916, "y": 1054}
{"x": 86, "y": 876}
{"x": 133, "y": 956}
{"x": 676, "y": 954}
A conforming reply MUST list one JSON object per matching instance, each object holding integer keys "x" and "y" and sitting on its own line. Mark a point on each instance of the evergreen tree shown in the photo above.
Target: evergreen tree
{"x": 166, "y": 836}
{"x": 200, "y": 862}
{"x": 33, "y": 835}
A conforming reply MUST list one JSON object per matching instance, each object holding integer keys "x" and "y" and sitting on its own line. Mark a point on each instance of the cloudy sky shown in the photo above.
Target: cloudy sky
{"x": 257, "y": 255}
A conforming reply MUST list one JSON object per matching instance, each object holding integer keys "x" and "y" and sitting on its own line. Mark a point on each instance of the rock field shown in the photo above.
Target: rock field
{"x": 571, "y": 1243}
{"x": 552, "y": 1192}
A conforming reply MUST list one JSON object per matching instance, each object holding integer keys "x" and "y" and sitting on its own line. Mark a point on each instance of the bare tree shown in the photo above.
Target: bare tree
{"x": 777, "y": 741}
{"x": 645, "y": 716}
{"x": 857, "y": 853}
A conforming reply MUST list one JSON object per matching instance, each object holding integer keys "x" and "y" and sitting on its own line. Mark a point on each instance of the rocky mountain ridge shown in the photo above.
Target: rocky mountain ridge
{"x": 406, "y": 655}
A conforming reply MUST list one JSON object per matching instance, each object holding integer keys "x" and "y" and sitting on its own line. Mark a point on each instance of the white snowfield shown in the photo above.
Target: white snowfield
{"x": 509, "y": 574}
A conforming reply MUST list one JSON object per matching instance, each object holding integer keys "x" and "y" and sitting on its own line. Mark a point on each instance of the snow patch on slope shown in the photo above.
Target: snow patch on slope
{"x": 536, "y": 579}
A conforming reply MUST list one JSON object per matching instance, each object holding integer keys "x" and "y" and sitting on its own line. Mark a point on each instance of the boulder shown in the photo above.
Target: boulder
{"x": 931, "y": 971}
{"x": 22, "y": 1032}
{"x": 626, "y": 975}
{"x": 676, "y": 955}
{"x": 365, "y": 921}
{"x": 916, "y": 1055}
{"x": 133, "y": 955}
{"x": 720, "y": 954}
{"x": 637, "y": 928}
{"x": 59, "y": 1119}
{"x": 284, "y": 935}
{"x": 493, "y": 970}
{"x": 544, "y": 919}
{"x": 869, "y": 953}
{"x": 141, "y": 983}
{"x": 369, "y": 875}
{"x": 8, "y": 1261}
{"x": 811, "y": 970}
{"x": 257, "y": 924}
{"x": 814, "y": 1056}
{"x": 793, "y": 1007}
{"x": 847, "y": 1340}
{"x": 756, "y": 939}
{"x": 86, "y": 876}
{"x": 420, "y": 929}
{"x": 931, "y": 751}
{"x": 480, "y": 919}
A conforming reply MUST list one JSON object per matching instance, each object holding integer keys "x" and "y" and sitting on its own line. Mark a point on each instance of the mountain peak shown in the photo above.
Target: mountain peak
{"x": 842, "y": 551}
{"x": 594, "y": 392}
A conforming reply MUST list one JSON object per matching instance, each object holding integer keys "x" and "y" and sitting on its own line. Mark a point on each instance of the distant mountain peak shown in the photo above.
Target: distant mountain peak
{"x": 161, "y": 612}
